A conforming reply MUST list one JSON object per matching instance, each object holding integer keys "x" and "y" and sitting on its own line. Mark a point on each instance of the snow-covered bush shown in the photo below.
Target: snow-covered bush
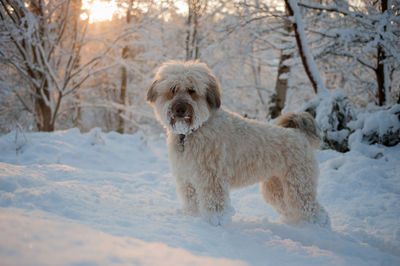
{"x": 332, "y": 112}
{"x": 338, "y": 120}
{"x": 379, "y": 126}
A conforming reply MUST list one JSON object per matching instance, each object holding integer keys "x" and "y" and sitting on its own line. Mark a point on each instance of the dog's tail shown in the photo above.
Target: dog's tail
{"x": 303, "y": 122}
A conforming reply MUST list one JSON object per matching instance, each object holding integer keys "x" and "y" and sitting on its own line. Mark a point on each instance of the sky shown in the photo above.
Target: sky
{"x": 98, "y": 10}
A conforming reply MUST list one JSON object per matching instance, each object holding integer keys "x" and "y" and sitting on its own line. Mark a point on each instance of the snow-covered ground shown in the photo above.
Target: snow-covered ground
{"x": 86, "y": 199}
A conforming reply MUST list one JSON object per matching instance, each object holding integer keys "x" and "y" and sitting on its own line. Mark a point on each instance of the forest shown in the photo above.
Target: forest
{"x": 84, "y": 172}
{"x": 63, "y": 64}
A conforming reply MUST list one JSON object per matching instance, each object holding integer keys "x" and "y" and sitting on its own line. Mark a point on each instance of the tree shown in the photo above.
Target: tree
{"x": 76, "y": 12}
{"x": 307, "y": 59}
{"x": 42, "y": 44}
{"x": 367, "y": 34}
{"x": 276, "y": 32}
{"x": 278, "y": 98}
{"x": 113, "y": 98}
{"x": 195, "y": 11}
{"x": 124, "y": 77}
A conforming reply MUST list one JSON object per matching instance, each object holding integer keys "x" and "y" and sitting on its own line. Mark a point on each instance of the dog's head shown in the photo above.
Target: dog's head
{"x": 184, "y": 95}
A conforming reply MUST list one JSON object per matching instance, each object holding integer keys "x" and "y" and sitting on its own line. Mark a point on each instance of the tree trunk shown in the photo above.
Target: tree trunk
{"x": 43, "y": 114}
{"x": 256, "y": 69}
{"x": 195, "y": 41}
{"x": 192, "y": 24}
{"x": 124, "y": 77}
{"x": 122, "y": 96}
{"x": 76, "y": 9}
{"x": 78, "y": 110}
{"x": 42, "y": 111}
{"x": 188, "y": 31}
{"x": 278, "y": 99}
{"x": 382, "y": 73}
{"x": 380, "y": 77}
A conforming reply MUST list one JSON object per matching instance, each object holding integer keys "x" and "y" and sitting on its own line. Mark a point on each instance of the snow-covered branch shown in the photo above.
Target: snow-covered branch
{"x": 358, "y": 15}
{"x": 305, "y": 54}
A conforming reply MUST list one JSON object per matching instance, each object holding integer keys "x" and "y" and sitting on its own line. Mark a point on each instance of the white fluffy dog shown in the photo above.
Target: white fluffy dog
{"x": 212, "y": 150}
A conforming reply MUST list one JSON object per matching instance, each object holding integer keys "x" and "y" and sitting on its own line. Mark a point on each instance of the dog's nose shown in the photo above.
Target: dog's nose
{"x": 180, "y": 110}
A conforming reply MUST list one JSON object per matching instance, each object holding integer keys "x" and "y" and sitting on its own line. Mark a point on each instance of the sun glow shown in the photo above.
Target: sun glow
{"x": 98, "y": 10}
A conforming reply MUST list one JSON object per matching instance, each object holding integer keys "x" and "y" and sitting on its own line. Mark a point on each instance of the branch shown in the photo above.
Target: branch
{"x": 306, "y": 57}
{"x": 6, "y": 8}
{"x": 23, "y": 103}
{"x": 359, "y": 60}
{"x": 49, "y": 71}
{"x": 357, "y": 15}
{"x": 28, "y": 77}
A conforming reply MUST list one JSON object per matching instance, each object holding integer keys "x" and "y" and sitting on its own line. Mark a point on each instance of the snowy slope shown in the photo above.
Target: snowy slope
{"x": 96, "y": 198}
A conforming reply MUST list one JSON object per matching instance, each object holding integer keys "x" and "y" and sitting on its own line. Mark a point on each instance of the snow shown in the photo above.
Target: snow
{"x": 105, "y": 198}
{"x": 325, "y": 106}
{"x": 39, "y": 234}
{"x": 380, "y": 121}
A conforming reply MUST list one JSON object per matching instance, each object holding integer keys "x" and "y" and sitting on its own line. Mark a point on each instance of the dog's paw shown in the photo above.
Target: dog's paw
{"x": 322, "y": 219}
{"x": 221, "y": 218}
{"x": 218, "y": 219}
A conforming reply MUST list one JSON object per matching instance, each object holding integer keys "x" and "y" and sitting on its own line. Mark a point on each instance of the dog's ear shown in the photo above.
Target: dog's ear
{"x": 213, "y": 93}
{"x": 151, "y": 93}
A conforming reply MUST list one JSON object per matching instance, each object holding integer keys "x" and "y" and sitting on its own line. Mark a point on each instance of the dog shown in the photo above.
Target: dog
{"x": 212, "y": 150}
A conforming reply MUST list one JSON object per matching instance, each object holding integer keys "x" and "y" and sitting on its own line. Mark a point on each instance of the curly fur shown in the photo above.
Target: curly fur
{"x": 223, "y": 151}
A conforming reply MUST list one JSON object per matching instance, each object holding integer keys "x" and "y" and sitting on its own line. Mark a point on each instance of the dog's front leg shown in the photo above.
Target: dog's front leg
{"x": 214, "y": 202}
{"x": 188, "y": 196}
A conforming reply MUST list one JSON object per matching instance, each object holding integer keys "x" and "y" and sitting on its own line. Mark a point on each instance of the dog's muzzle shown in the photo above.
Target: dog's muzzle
{"x": 181, "y": 111}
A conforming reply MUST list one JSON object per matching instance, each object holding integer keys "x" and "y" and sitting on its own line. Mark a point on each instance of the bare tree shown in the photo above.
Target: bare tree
{"x": 76, "y": 27}
{"x": 367, "y": 34}
{"x": 41, "y": 43}
{"x": 196, "y": 8}
{"x": 274, "y": 30}
{"x": 382, "y": 70}
{"x": 124, "y": 77}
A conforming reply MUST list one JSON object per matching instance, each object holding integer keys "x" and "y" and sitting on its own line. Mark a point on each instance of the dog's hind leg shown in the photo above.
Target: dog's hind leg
{"x": 300, "y": 197}
{"x": 300, "y": 200}
{"x": 272, "y": 193}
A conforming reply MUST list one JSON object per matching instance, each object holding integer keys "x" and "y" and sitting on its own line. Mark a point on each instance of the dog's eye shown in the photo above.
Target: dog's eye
{"x": 191, "y": 91}
{"x": 173, "y": 89}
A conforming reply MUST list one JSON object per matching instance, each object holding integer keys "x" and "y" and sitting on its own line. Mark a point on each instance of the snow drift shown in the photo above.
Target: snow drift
{"x": 97, "y": 198}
